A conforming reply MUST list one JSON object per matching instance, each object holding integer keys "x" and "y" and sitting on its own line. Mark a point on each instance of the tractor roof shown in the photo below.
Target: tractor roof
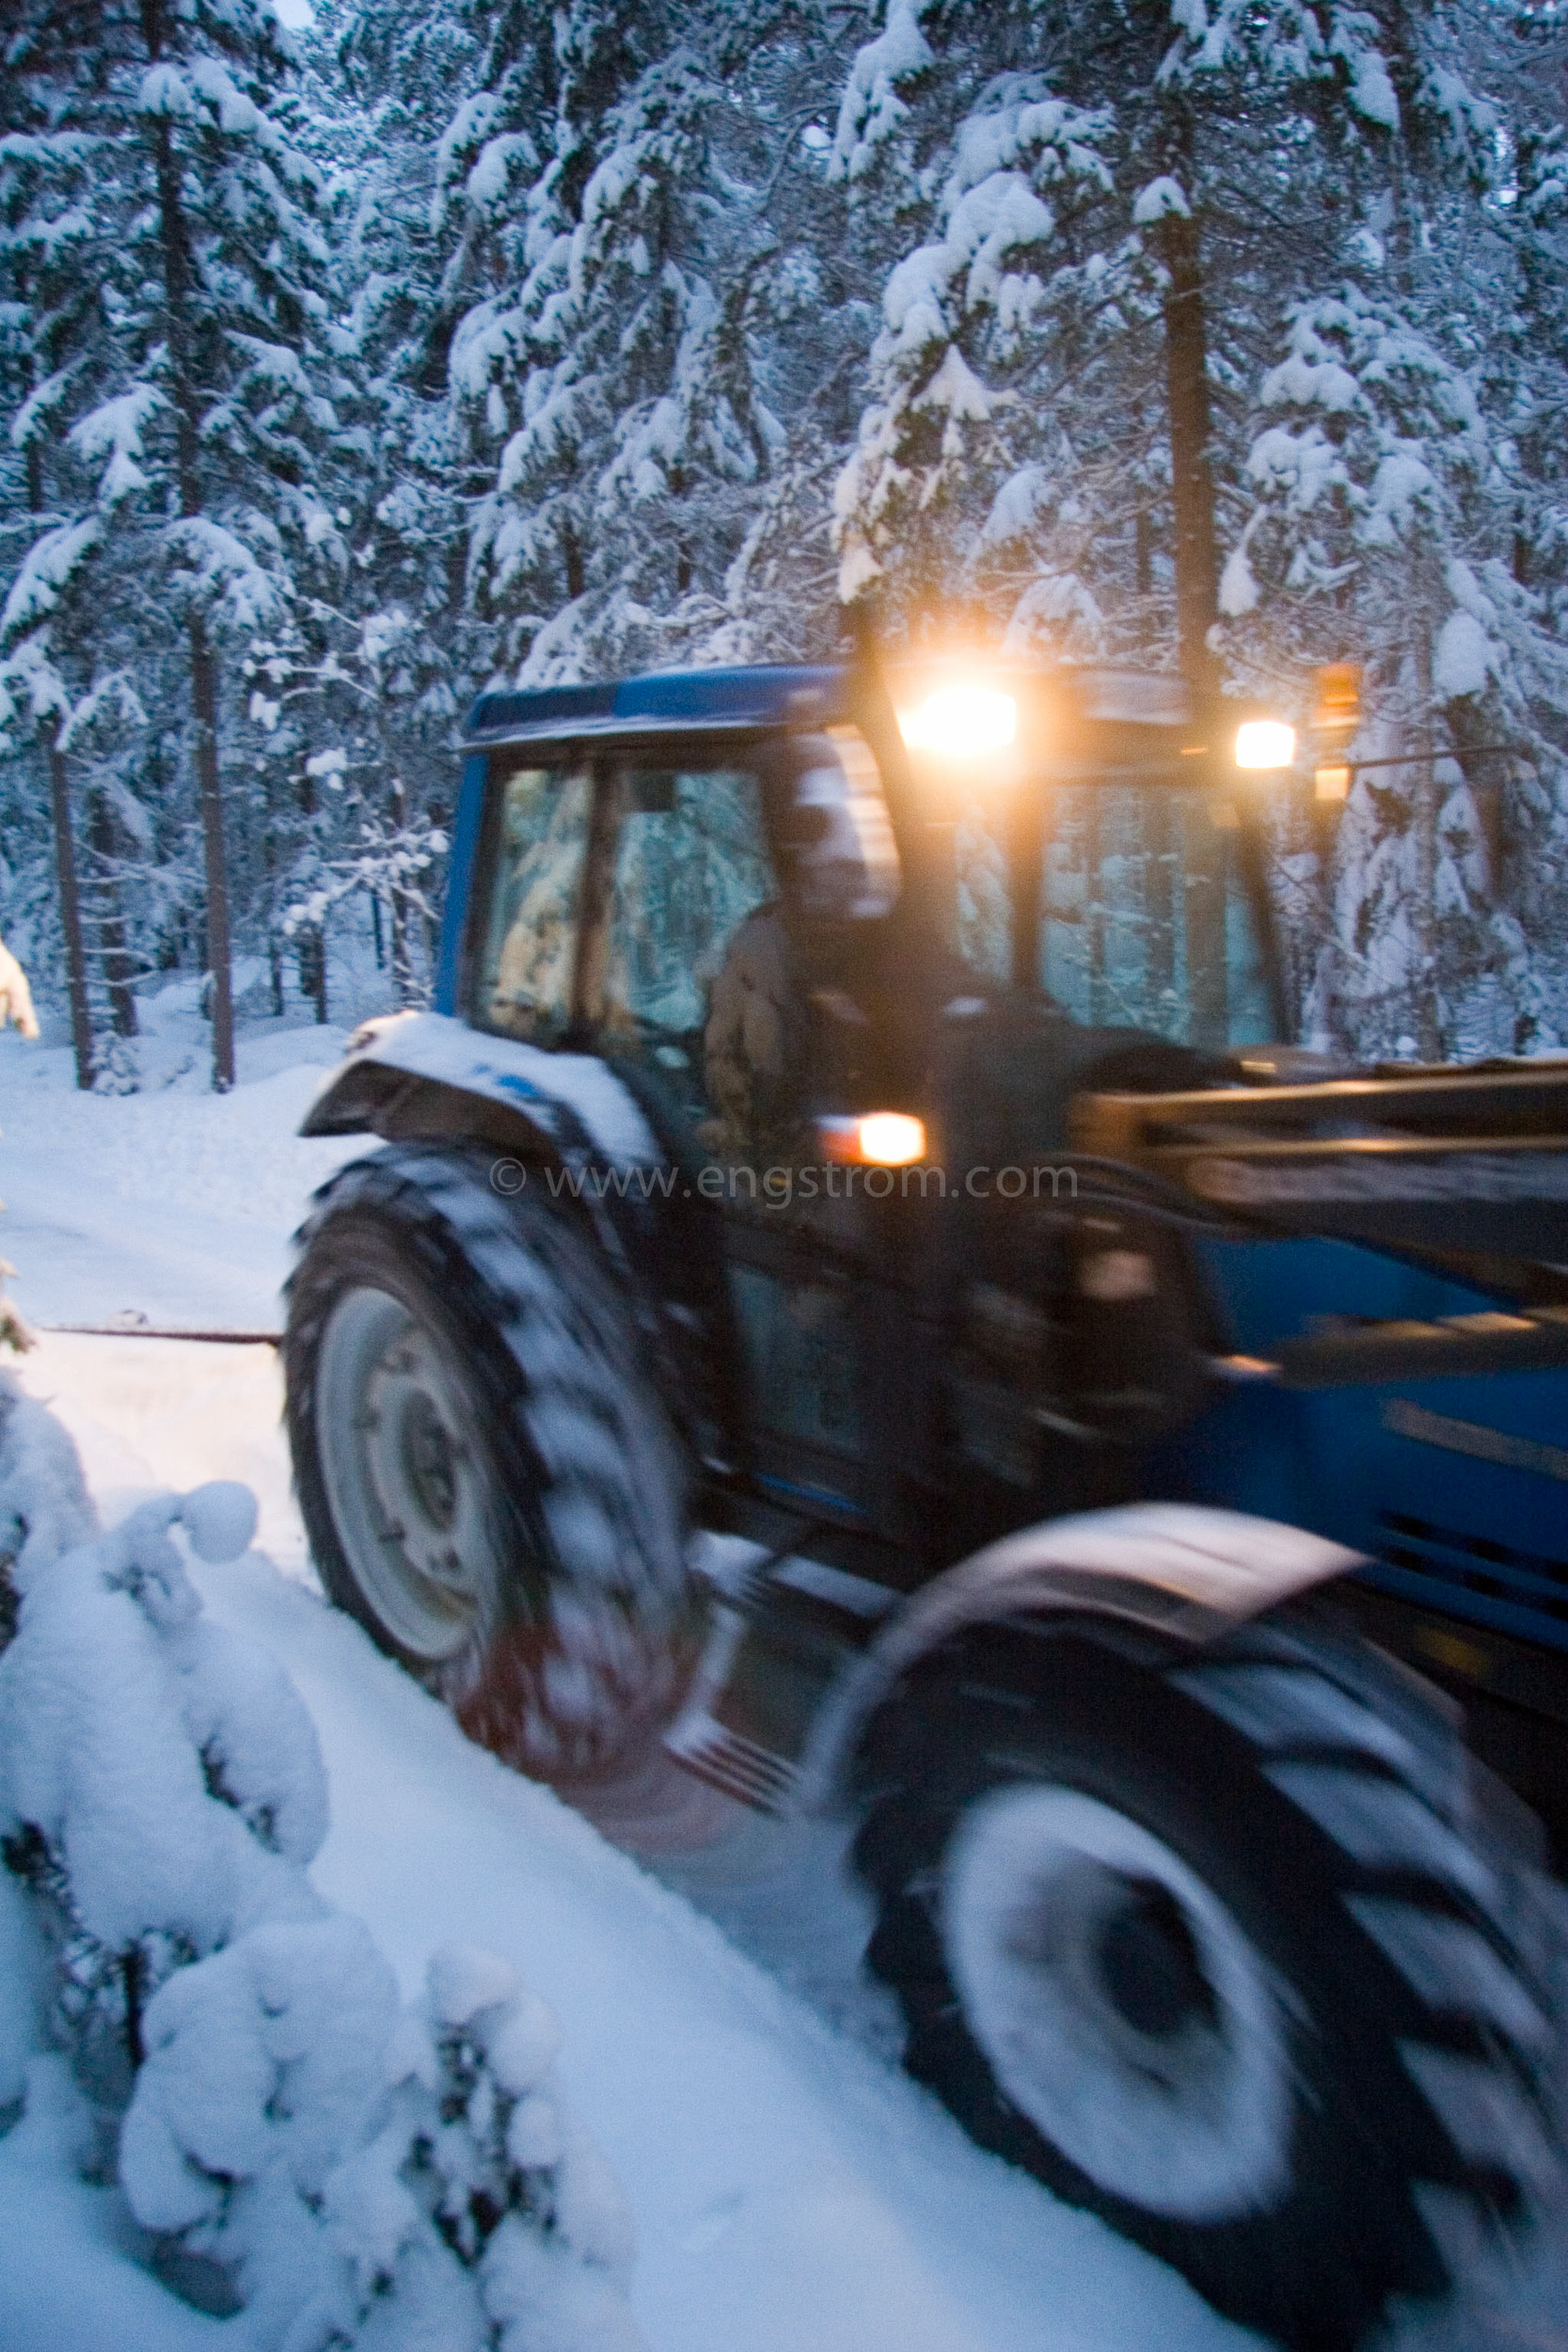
{"x": 762, "y": 697}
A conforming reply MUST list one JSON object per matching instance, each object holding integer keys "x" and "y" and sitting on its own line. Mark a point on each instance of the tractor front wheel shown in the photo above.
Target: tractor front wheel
{"x": 488, "y": 1480}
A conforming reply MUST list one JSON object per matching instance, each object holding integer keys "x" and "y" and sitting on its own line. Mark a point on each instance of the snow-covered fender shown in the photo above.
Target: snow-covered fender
{"x": 572, "y": 1102}
{"x": 567, "y": 1120}
{"x": 1181, "y": 1570}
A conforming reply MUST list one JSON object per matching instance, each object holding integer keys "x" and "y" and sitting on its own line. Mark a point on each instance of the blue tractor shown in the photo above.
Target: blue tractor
{"x": 854, "y": 1303}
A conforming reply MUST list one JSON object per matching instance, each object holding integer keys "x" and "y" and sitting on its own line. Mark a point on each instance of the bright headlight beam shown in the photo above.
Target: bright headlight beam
{"x": 1265, "y": 743}
{"x": 960, "y": 721}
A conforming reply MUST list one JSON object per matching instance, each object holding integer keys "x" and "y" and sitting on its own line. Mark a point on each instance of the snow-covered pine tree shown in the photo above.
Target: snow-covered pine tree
{"x": 1386, "y": 485}
{"x": 972, "y": 477}
{"x": 190, "y": 430}
{"x": 52, "y": 331}
{"x": 629, "y": 379}
{"x": 384, "y": 651}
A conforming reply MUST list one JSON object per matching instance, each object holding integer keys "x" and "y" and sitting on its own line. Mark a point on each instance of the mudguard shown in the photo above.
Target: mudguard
{"x": 1178, "y": 1569}
{"x": 574, "y": 1101}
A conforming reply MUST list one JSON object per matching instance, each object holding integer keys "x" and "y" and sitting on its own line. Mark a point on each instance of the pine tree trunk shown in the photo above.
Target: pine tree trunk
{"x": 65, "y": 855}
{"x": 111, "y": 927}
{"x": 1188, "y": 421}
{"x": 204, "y": 703}
{"x": 70, "y": 916}
{"x": 1423, "y": 817}
{"x": 1188, "y": 417}
{"x": 178, "y": 273}
{"x": 402, "y": 976}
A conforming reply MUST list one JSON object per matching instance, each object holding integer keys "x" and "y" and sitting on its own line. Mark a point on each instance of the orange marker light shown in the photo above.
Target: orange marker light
{"x": 880, "y": 1139}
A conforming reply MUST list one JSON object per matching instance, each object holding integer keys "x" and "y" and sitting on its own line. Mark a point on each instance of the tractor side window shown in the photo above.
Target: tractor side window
{"x": 525, "y": 981}
{"x": 692, "y": 925}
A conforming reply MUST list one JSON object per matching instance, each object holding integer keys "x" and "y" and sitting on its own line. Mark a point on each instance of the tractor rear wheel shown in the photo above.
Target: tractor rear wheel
{"x": 488, "y": 1480}
{"x": 1222, "y": 1951}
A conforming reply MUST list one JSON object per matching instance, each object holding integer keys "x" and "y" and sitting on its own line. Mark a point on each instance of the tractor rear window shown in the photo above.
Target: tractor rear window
{"x": 1146, "y": 922}
{"x": 524, "y": 982}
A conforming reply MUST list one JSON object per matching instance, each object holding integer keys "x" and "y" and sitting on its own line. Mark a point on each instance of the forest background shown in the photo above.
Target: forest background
{"x": 444, "y": 342}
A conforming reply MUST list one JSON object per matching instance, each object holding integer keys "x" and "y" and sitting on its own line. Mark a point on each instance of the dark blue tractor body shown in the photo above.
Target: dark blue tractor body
{"x": 860, "y": 1305}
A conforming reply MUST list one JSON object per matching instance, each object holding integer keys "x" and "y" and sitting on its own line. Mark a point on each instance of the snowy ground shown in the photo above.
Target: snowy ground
{"x": 793, "y": 2193}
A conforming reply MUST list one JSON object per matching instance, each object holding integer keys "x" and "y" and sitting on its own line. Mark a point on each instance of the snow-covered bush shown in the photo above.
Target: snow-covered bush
{"x": 263, "y": 2063}
{"x": 358, "y": 2178}
{"x": 473, "y": 2213}
{"x": 160, "y": 1785}
{"x": 290, "y": 2141}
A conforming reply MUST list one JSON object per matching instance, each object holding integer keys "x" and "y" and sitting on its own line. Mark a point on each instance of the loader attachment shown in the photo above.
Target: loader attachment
{"x": 1458, "y": 1161}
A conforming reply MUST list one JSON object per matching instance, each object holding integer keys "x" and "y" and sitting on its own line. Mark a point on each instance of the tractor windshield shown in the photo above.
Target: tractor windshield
{"x": 1145, "y": 916}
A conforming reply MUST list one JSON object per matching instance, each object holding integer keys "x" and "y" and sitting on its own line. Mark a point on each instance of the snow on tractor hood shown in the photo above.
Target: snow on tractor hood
{"x": 572, "y": 1098}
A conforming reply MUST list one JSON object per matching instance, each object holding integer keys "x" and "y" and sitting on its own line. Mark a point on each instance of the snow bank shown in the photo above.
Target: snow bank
{"x": 288, "y": 2142}
{"x": 172, "y": 1204}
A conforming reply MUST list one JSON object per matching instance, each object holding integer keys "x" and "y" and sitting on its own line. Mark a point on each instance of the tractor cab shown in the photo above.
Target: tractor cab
{"x": 851, "y": 945}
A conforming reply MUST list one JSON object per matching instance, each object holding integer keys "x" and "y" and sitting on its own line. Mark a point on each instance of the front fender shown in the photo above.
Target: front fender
{"x": 574, "y": 1100}
{"x": 1175, "y": 1569}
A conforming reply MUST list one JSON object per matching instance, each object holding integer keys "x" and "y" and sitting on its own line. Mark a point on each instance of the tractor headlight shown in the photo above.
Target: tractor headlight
{"x": 1265, "y": 743}
{"x": 960, "y": 721}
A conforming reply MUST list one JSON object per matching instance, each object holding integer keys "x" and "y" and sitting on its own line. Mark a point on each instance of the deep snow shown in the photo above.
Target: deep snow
{"x": 792, "y": 2192}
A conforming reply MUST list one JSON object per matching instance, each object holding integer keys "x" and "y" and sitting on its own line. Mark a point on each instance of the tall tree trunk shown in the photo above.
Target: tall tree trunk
{"x": 70, "y": 916}
{"x": 1188, "y": 417}
{"x": 204, "y": 701}
{"x": 1186, "y": 330}
{"x": 1423, "y": 819}
{"x": 65, "y": 852}
{"x": 403, "y": 970}
{"x": 178, "y": 277}
{"x": 111, "y": 924}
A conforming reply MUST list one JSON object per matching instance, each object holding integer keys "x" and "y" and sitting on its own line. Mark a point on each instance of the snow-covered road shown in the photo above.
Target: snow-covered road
{"x": 793, "y": 2193}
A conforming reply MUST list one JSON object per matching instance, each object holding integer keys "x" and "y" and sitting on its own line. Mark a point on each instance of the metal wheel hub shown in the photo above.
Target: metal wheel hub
{"x": 1120, "y": 2006}
{"x": 408, "y": 1491}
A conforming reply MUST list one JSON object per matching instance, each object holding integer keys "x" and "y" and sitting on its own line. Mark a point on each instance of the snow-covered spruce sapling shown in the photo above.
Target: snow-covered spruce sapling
{"x": 479, "y": 2214}
{"x": 261, "y": 2066}
{"x": 161, "y": 1789}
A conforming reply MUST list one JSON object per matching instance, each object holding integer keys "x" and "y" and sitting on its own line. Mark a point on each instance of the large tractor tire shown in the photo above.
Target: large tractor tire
{"x": 488, "y": 1477}
{"x": 1223, "y": 1950}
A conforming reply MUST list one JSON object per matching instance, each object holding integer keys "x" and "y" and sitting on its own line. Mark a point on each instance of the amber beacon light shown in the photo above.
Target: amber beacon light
{"x": 876, "y": 1139}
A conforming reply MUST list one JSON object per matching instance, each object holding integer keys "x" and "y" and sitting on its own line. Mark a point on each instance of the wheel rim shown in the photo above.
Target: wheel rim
{"x": 409, "y": 1495}
{"x": 1119, "y": 2004}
